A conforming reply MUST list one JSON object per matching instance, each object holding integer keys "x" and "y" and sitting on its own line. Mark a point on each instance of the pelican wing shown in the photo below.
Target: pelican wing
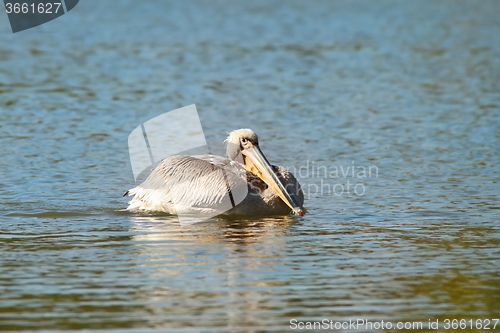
{"x": 183, "y": 184}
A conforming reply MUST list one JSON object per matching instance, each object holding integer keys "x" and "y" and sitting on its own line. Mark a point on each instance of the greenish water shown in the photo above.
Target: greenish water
{"x": 406, "y": 92}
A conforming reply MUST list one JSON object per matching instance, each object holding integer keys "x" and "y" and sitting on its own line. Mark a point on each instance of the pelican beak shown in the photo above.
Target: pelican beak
{"x": 256, "y": 163}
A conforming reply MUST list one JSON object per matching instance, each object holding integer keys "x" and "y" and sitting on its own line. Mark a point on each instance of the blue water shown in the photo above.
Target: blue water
{"x": 408, "y": 92}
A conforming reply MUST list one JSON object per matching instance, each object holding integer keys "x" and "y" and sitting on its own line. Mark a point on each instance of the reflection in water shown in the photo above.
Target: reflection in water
{"x": 354, "y": 268}
{"x": 230, "y": 273}
{"x": 246, "y": 249}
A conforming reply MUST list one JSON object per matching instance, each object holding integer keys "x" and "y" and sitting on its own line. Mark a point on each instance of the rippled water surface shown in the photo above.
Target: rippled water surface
{"x": 405, "y": 94}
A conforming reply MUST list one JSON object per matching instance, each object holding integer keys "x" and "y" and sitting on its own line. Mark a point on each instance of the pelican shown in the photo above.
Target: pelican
{"x": 207, "y": 183}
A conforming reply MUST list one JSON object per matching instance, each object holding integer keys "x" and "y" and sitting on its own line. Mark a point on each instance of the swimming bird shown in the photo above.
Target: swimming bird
{"x": 243, "y": 183}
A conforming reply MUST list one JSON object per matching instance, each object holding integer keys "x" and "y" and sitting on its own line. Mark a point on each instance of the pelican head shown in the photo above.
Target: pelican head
{"x": 245, "y": 142}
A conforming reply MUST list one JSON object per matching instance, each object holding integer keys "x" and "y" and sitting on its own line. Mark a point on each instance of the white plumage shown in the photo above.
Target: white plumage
{"x": 208, "y": 184}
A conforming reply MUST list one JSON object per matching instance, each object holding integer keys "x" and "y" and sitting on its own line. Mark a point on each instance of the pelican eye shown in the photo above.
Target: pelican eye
{"x": 243, "y": 140}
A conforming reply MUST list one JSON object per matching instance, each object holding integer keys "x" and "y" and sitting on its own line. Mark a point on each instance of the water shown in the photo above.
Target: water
{"x": 408, "y": 91}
